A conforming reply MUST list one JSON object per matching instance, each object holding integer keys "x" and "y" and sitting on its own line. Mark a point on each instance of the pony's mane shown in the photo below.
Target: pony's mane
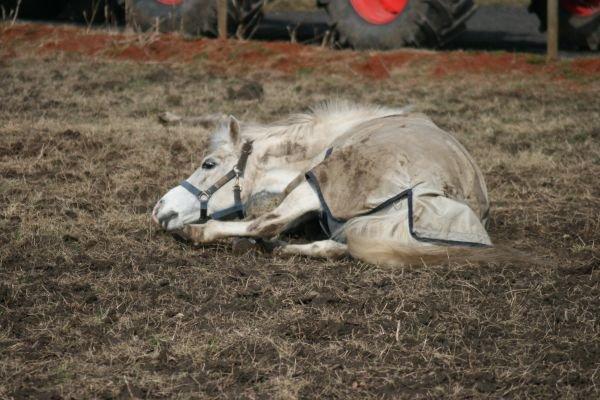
{"x": 337, "y": 108}
{"x": 324, "y": 112}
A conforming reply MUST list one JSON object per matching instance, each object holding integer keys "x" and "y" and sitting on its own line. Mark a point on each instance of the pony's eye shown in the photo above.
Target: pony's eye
{"x": 208, "y": 164}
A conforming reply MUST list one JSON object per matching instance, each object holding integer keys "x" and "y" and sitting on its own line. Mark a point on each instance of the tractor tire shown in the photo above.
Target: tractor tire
{"x": 420, "y": 23}
{"x": 576, "y": 31}
{"x": 32, "y": 9}
{"x": 194, "y": 17}
{"x": 94, "y": 11}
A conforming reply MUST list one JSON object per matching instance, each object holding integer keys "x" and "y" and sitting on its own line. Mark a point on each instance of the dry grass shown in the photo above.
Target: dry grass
{"x": 96, "y": 302}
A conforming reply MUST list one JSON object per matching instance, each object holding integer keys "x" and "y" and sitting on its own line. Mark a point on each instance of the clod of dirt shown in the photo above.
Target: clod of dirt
{"x": 308, "y": 297}
{"x": 177, "y": 148}
{"x": 159, "y": 75}
{"x": 90, "y": 299}
{"x": 130, "y": 391}
{"x": 248, "y": 91}
{"x": 169, "y": 118}
{"x": 163, "y": 282}
{"x": 5, "y": 294}
{"x": 315, "y": 298}
{"x": 331, "y": 329}
{"x": 174, "y": 100}
{"x": 70, "y": 238}
{"x": 71, "y": 134}
{"x": 71, "y": 214}
{"x": 111, "y": 317}
{"x": 244, "y": 245}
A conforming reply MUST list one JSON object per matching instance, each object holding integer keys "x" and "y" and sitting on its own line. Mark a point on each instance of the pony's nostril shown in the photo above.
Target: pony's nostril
{"x": 164, "y": 220}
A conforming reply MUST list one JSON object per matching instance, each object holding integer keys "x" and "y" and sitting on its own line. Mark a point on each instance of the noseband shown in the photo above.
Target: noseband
{"x": 204, "y": 195}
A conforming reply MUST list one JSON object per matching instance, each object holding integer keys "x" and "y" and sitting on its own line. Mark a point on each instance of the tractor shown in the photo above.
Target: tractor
{"x": 360, "y": 24}
{"x": 90, "y": 11}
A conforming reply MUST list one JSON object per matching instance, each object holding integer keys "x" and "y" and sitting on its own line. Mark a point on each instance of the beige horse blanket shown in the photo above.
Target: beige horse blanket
{"x": 406, "y": 162}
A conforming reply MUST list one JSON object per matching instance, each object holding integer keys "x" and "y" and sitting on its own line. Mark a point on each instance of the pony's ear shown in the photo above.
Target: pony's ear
{"x": 234, "y": 130}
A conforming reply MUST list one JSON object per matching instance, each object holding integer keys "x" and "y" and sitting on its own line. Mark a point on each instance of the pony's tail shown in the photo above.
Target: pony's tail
{"x": 389, "y": 252}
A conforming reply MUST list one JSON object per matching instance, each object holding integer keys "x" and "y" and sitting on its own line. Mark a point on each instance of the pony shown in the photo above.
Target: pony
{"x": 386, "y": 184}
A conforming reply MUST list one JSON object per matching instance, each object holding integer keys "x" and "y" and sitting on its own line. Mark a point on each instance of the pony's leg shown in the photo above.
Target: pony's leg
{"x": 322, "y": 249}
{"x": 301, "y": 201}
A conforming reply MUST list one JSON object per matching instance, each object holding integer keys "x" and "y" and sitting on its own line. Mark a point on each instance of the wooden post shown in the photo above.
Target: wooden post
{"x": 552, "y": 30}
{"x": 222, "y": 18}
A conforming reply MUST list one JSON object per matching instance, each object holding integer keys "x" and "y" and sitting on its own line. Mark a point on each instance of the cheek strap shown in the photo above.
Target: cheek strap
{"x": 201, "y": 196}
{"x": 204, "y": 195}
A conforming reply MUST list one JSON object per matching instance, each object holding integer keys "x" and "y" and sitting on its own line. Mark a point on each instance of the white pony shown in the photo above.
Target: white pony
{"x": 387, "y": 185}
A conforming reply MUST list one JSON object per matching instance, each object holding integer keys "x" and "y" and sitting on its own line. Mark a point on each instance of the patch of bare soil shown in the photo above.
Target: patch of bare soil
{"x": 95, "y": 302}
{"x": 235, "y": 57}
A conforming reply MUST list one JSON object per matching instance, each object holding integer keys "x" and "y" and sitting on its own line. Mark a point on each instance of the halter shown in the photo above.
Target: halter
{"x": 204, "y": 195}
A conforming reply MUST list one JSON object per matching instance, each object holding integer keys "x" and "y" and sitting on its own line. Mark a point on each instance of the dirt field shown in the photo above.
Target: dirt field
{"x": 96, "y": 302}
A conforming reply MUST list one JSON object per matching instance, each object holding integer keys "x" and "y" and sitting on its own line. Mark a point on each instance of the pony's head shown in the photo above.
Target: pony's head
{"x": 180, "y": 206}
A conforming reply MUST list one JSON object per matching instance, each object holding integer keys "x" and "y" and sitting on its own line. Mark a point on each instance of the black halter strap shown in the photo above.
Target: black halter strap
{"x": 205, "y": 195}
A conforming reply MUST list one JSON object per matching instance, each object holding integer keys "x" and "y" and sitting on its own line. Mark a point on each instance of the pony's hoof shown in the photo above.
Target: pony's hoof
{"x": 271, "y": 246}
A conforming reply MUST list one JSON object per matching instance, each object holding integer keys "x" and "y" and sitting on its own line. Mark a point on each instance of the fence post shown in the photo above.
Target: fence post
{"x": 552, "y": 30}
{"x": 222, "y": 18}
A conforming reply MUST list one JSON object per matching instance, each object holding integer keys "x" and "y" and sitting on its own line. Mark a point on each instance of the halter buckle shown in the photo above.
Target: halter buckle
{"x": 237, "y": 173}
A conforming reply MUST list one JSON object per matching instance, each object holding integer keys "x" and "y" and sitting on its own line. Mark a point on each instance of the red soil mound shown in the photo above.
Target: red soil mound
{"x": 286, "y": 58}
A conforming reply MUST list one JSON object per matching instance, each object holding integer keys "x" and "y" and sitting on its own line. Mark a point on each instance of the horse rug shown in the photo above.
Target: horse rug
{"x": 406, "y": 162}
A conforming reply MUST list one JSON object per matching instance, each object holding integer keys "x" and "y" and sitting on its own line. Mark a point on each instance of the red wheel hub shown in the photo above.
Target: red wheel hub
{"x": 379, "y": 12}
{"x": 170, "y": 2}
{"x": 583, "y": 8}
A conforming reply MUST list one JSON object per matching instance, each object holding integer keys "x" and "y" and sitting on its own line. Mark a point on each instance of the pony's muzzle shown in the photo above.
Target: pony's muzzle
{"x": 161, "y": 217}
{"x": 156, "y": 210}
{"x": 175, "y": 209}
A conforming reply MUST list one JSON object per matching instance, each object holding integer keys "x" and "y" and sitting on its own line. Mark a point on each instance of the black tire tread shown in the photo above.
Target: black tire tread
{"x": 427, "y": 23}
{"x": 195, "y": 17}
{"x": 33, "y": 9}
{"x": 574, "y": 31}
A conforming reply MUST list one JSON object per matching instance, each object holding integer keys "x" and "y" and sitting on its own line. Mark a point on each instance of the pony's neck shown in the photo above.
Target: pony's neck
{"x": 290, "y": 147}
{"x": 303, "y": 136}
